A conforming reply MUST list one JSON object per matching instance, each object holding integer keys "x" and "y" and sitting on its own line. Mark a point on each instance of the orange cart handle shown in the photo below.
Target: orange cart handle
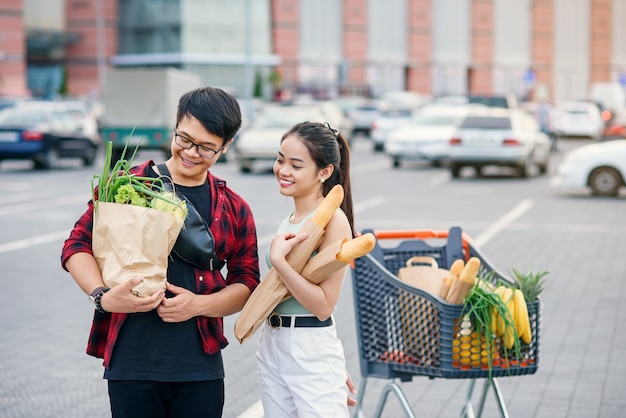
{"x": 421, "y": 234}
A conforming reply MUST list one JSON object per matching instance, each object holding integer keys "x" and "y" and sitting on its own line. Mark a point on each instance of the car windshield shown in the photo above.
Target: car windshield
{"x": 577, "y": 112}
{"x": 486, "y": 122}
{"x": 31, "y": 117}
{"x": 396, "y": 113}
{"x": 435, "y": 120}
{"x": 489, "y": 101}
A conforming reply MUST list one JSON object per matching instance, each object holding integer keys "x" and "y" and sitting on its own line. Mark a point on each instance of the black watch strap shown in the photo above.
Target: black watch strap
{"x": 96, "y": 296}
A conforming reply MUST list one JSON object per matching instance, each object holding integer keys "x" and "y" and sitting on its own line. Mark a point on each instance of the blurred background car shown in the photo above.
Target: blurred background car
{"x": 400, "y": 99}
{"x": 44, "y": 133}
{"x": 599, "y": 167}
{"x": 359, "y": 109}
{"x": 260, "y": 140}
{"x": 332, "y": 114}
{"x": 579, "y": 119}
{"x": 85, "y": 115}
{"x": 506, "y": 101}
{"x": 427, "y": 135}
{"x": 499, "y": 137}
{"x": 388, "y": 120}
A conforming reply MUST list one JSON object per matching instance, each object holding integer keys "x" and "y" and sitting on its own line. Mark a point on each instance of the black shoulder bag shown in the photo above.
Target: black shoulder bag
{"x": 195, "y": 243}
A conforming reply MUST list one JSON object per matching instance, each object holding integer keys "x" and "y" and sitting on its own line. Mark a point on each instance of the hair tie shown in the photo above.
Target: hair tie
{"x": 334, "y": 131}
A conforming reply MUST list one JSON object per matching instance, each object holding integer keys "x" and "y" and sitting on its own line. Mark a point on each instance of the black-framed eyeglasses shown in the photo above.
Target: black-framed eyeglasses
{"x": 186, "y": 143}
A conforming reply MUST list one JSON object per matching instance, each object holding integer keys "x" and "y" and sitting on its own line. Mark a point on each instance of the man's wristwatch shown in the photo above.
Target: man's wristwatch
{"x": 95, "y": 297}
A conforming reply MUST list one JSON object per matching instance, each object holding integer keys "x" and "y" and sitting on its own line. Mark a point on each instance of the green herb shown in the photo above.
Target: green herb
{"x": 119, "y": 185}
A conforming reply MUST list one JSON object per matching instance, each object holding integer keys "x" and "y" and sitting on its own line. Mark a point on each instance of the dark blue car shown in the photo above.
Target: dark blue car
{"x": 43, "y": 133}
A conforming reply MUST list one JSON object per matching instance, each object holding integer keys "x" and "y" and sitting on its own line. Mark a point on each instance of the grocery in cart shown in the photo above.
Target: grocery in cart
{"x": 406, "y": 330}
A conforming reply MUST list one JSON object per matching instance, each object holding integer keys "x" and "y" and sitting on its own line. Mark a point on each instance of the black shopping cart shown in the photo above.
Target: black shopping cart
{"x": 404, "y": 331}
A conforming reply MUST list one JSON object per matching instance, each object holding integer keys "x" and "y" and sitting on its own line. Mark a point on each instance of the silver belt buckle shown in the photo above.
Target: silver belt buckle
{"x": 280, "y": 320}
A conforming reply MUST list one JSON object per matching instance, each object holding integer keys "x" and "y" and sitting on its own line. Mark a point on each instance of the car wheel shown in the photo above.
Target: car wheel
{"x": 526, "y": 169}
{"x": 245, "y": 167}
{"x": 378, "y": 147}
{"x": 396, "y": 163}
{"x": 605, "y": 181}
{"x": 49, "y": 159}
{"x": 90, "y": 156}
{"x": 455, "y": 170}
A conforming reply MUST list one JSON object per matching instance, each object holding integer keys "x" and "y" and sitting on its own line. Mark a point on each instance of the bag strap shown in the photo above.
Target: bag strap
{"x": 165, "y": 174}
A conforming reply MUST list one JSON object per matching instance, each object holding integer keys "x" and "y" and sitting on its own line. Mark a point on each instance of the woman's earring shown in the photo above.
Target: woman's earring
{"x": 323, "y": 180}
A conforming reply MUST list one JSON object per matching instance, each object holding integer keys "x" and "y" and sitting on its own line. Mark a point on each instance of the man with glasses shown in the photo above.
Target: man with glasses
{"x": 162, "y": 354}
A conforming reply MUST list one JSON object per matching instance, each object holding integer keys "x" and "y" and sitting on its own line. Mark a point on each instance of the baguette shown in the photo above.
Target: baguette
{"x": 460, "y": 287}
{"x": 457, "y": 267}
{"x": 470, "y": 271}
{"x": 329, "y": 205}
{"x": 356, "y": 247}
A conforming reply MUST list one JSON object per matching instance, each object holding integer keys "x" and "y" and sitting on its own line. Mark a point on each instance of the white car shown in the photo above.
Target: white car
{"x": 387, "y": 121}
{"x": 499, "y": 137}
{"x": 260, "y": 140}
{"x": 600, "y": 167}
{"x": 426, "y": 136}
{"x": 579, "y": 119}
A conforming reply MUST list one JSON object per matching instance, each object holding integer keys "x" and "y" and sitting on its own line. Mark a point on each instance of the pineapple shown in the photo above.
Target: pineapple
{"x": 530, "y": 283}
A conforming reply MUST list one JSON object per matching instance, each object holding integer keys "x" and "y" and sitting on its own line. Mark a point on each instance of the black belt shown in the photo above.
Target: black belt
{"x": 278, "y": 321}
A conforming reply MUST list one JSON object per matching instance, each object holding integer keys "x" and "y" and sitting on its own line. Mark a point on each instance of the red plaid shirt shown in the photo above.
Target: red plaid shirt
{"x": 233, "y": 228}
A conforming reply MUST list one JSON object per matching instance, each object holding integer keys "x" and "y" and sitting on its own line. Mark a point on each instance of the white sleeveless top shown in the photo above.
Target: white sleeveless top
{"x": 291, "y": 306}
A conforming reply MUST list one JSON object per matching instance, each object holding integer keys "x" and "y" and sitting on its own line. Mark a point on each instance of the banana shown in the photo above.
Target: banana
{"x": 507, "y": 331}
{"x": 521, "y": 317}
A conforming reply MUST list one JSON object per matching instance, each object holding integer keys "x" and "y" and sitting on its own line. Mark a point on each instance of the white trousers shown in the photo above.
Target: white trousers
{"x": 302, "y": 372}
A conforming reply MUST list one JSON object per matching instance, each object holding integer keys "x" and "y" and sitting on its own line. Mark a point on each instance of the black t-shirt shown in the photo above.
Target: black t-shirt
{"x": 150, "y": 349}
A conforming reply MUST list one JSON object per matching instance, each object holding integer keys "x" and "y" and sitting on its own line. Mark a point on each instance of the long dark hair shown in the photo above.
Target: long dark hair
{"x": 327, "y": 146}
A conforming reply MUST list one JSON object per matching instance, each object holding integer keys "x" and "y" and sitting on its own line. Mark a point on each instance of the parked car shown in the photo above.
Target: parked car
{"x": 44, "y": 134}
{"x": 580, "y": 119}
{"x": 85, "y": 115}
{"x": 507, "y": 101}
{"x": 360, "y": 110}
{"x": 402, "y": 100}
{"x": 388, "y": 120}
{"x": 332, "y": 114}
{"x": 260, "y": 140}
{"x": 600, "y": 167}
{"x": 499, "y": 137}
{"x": 427, "y": 135}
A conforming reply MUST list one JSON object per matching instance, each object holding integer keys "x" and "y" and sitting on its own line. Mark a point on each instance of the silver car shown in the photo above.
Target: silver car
{"x": 499, "y": 137}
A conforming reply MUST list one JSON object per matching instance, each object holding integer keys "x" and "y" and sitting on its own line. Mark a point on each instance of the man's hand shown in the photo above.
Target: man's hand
{"x": 122, "y": 300}
{"x": 178, "y": 308}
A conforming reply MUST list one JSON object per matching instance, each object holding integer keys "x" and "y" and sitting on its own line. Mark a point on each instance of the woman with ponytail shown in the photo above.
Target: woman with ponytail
{"x": 301, "y": 363}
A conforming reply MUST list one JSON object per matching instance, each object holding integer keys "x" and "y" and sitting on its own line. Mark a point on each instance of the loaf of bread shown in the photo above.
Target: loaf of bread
{"x": 356, "y": 247}
{"x": 326, "y": 210}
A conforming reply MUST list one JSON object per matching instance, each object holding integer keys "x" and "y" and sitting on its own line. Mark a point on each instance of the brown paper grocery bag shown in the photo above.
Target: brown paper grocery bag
{"x": 423, "y": 273}
{"x": 131, "y": 241}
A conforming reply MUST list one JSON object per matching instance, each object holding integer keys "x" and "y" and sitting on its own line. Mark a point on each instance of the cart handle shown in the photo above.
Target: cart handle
{"x": 421, "y": 234}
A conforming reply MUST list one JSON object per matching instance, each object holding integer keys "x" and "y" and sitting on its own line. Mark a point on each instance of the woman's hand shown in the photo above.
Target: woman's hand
{"x": 351, "y": 389}
{"x": 122, "y": 299}
{"x": 282, "y": 244}
{"x": 178, "y": 308}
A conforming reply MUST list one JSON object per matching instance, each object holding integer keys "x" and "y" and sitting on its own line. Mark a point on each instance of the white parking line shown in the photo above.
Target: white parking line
{"x": 29, "y": 242}
{"x": 44, "y": 204}
{"x": 508, "y": 218}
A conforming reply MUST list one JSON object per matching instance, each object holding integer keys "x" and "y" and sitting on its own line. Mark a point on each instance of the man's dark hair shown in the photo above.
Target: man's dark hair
{"x": 216, "y": 110}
